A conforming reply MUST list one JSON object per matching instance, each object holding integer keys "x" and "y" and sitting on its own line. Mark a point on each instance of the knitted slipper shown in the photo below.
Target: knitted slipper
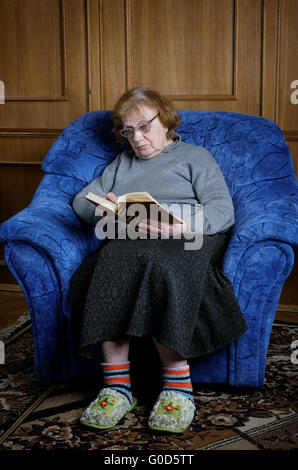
{"x": 173, "y": 412}
{"x": 107, "y": 409}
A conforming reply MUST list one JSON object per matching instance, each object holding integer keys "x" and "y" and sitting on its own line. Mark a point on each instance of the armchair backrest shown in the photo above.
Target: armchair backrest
{"x": 249, "y": 149}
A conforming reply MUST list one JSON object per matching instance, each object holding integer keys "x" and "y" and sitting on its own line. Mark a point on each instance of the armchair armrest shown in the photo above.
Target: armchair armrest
{"x": 50, "y": 225}
{"x": 266, "y": 216}
{"x": 258, "y": 260}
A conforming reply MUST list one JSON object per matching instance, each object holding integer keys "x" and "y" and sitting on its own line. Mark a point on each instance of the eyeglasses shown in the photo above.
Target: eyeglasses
{"x": 144, "y": 128}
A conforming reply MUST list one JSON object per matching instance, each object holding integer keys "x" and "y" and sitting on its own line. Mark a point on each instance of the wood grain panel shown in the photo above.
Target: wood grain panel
{"x": 113, "y": 51}
{"x": 18, "y": 184}
{"x": 203, "y": 54}
{"x": 46, "y": 63}
{"x": 189, "y": 43}
{"x": 269, "y": 60}
{"x": 29, "y": 20}
{"x": 22, "y": 149}
{"x": 287, "y": 113}
{"x": 93, "y": 52}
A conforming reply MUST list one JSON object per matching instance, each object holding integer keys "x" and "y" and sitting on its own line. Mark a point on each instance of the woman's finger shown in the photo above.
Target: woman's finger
{"x": 112, "y": 197}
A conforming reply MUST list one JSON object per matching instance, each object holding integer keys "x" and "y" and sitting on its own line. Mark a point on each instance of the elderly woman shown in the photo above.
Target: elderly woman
{"x": 152, "y": 286}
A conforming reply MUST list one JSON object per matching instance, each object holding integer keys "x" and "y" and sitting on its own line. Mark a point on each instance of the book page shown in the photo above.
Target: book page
{"x": 137, "y": 197}
{"x": 146, "y": 200}
{"x": 101, "y": 201}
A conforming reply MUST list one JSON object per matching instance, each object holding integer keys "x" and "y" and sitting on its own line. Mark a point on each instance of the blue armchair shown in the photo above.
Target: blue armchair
{"x": 46, "y": 242}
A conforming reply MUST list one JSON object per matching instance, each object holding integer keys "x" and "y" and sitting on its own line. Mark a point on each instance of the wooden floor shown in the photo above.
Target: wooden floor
{"x": 13, "y": 304}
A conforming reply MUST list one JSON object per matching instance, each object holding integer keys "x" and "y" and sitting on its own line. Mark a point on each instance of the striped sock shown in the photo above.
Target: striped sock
{"x": 117, "y": 377}
{"x": 178, "y": 380}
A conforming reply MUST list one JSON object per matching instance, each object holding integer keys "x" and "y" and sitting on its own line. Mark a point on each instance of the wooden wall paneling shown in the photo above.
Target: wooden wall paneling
{"x": 94, "y": 54}
{"x": 287, "y": 72}
{"x": 287, "y": 113}
{"x": 48, "y": 53}
{"x": 19, "y": 151}
{"x": 25, "y": 147}
{"x": 114, "y": 60}
{"x": 248, "y": 50}
{"x": 203, "y": 55}
{"x": 18, "y": 184}
{"x": 29, "y": 20}
{"x": 189, "y": 43}
{"x": 269, "y": 61}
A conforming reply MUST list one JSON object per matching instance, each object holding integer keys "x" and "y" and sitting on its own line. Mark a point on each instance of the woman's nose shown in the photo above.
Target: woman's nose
{"x": 137, "y": 135}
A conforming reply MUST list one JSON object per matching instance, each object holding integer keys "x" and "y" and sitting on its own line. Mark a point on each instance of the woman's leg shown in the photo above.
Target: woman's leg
{"x": 176, "y": 371}
{"x": 168, "y": 357}
{"x": 116, "y": 366}
{"x": 115, "y": 351}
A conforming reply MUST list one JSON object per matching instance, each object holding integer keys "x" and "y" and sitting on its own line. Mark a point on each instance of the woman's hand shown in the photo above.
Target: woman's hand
{"x": 162, "y": 228}
{"x": 100, "y": 210}
{"x": 112, "y": 197}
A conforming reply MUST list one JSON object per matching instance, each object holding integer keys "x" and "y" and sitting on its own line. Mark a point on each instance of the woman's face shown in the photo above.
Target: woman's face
{"x": 152, "y": 143}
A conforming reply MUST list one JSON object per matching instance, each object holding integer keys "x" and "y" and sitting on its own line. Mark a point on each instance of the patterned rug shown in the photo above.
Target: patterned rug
{"x": 40, "y": 415}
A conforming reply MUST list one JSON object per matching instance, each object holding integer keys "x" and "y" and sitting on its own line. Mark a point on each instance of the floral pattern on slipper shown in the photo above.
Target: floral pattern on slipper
{"x": 107, "y": 409}
{"x": 172, "y": 412}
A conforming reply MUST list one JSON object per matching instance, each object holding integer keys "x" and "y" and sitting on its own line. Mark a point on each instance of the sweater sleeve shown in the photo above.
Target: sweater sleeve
{"x": 212, "y": 192}
{"x": 101, "y": 185}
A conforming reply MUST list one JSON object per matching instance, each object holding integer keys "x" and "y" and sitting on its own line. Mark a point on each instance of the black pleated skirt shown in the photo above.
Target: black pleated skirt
{"x": 156, "y": 288}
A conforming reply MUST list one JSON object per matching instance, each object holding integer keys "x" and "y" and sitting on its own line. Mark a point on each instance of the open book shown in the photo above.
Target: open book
{"x": 123, "y": 202}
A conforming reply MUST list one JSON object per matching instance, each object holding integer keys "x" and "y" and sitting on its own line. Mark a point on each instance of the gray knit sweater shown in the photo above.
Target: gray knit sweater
{"x": 181, "y": 174}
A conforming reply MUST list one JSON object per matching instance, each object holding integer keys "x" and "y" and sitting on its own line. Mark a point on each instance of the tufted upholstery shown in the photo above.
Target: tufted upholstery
{"x": 46, "y": 242}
